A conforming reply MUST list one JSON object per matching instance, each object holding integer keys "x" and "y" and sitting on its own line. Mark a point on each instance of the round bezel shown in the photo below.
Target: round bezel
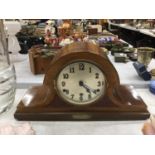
{"x": 78, "y": 102}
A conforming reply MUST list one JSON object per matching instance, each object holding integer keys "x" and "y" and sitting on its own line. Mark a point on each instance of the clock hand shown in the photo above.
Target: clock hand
{"x": 88, "y": 89}
{"x": 82, "y": 84}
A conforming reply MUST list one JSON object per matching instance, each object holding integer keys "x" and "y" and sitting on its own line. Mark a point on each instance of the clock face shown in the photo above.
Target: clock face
{"x": 81, "y": 83}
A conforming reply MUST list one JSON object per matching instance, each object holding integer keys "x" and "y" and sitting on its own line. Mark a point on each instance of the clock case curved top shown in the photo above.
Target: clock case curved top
{"x": 118, "y": 103}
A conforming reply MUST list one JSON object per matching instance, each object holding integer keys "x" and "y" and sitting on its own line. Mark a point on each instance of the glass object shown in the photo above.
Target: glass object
{"x": 145, "y": 55}
{"x": 7, "y": 74}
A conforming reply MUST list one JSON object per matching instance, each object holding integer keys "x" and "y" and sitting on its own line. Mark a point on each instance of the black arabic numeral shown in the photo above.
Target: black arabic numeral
{"x": 89, "y": 96}
{"x": 81, "y": 96}
{"x": 97, "y": 75}
{"x": 99, "y": 83}
{"x": 63, "y": 83}
{"x": 71, "y": 70}
{"x": 72, "y": 96}
{"x": 81, "y": 66}
{"x": 66, "y": 91}
{"x": 65, "y": 76}
{"x": 89, "y": 69}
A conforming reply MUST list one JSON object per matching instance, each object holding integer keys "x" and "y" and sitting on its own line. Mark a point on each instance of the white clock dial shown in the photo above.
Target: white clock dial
{"x": 81, "y": 83}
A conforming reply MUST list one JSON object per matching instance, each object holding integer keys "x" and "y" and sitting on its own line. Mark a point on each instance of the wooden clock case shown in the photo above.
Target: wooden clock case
{"x": 118, "y": 103}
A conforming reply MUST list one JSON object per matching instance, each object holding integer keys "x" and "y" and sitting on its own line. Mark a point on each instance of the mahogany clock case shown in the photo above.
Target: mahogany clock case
{"x": 42, "y": 103}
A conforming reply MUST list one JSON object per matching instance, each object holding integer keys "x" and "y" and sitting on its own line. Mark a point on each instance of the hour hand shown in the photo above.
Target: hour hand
{"x": 82, "y": 85}
{"x": 88, "y": 89}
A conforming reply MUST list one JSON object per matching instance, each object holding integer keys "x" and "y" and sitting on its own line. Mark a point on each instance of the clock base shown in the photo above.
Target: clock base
{"x": 131, "y": 107}
{"x": 82, "y": 116}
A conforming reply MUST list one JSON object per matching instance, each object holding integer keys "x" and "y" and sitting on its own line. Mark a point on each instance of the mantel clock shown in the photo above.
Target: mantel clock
{"x": 81, "y": 84}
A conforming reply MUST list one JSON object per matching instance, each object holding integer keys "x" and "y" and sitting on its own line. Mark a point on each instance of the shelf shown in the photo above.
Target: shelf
{"x": 143, "y": 31}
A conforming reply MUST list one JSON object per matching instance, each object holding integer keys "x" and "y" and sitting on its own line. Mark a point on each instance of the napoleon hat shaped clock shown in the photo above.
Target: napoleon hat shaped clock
{"x": 81, "y": 84}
